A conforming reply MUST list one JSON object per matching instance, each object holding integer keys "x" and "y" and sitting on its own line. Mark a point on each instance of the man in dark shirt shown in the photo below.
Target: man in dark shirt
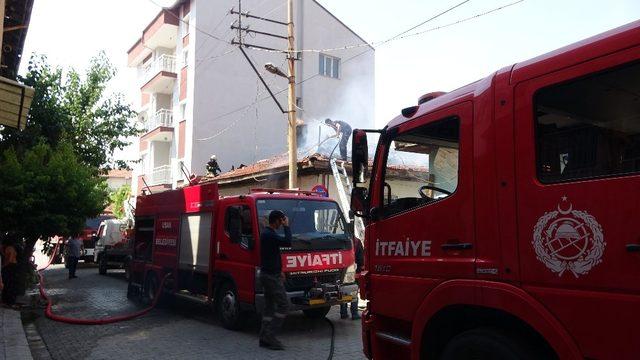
{"x": 343, "y": 130}
{"x": 271, "y": 278}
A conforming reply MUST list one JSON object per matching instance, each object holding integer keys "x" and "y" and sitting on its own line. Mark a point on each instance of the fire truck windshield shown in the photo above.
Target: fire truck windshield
{"x": 315, "y": 224}
{"x": 422, "y": 166}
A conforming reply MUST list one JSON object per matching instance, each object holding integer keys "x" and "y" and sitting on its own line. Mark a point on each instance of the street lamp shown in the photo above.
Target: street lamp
{"x": 275, "y": 70}
{"x": 291, "y": 113}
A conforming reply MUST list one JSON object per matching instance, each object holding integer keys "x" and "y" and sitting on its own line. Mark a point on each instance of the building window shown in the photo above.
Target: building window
{"x": 329, "y": 66}
{"x": 185, "y": 25}
{"x": 185, "y": 57}
{"x": 183, "y": 111}
{"x": 589, "y": 128}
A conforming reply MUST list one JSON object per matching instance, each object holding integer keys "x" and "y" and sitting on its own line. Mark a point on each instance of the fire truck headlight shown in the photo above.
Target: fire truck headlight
{"x": 350, "y": 274}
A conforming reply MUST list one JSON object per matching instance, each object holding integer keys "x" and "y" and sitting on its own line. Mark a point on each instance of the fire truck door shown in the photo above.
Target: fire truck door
{"x": 236, "y": 248}
{"x": 578, "y": 174}
{"x": 422, "y": 232}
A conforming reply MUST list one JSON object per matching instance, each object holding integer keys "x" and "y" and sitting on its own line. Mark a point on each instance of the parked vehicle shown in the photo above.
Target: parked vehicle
{"x": 89, "y": 236}
{"x": 208, "y": 249}
{"x": 515, "y": 235}
{"x": 113, "y": 248}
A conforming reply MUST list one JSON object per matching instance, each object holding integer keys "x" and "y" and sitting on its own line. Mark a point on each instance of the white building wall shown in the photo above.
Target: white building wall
{"x": 220, "y": 85}
{"x": 225, "y": 84}
{"x": 349, "y": 98}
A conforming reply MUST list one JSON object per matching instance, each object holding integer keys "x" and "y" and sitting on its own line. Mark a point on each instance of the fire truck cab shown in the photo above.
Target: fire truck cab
{"x": 206, "y": 248}
{"x": 515, "y": 233}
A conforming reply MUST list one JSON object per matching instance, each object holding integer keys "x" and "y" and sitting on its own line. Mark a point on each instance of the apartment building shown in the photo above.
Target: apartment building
{"x": 200, "y": 97}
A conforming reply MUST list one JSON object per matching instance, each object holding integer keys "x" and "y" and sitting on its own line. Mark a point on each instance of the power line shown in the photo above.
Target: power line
{"x": 426, "y": 21}
{"x": 364, "y": 52}
{"x": 401, "y": 35}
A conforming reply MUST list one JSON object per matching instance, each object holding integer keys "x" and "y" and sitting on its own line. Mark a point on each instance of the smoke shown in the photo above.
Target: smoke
{"x": 352, "y": 101}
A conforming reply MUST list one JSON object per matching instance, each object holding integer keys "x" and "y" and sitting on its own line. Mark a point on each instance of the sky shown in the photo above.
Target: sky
{"x": 70, "y": 32}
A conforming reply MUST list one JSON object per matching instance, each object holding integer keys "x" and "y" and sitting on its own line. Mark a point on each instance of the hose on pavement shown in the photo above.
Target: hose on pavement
{"x": 102, "y": 321}
{"x": 333, "y": 339}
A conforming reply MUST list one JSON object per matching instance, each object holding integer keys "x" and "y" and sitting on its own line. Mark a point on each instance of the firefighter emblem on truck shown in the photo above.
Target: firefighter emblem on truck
{"x": 568, "y": 239}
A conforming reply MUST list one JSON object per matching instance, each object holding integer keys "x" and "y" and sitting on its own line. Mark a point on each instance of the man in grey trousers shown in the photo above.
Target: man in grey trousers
{"x": 272, "y": 280}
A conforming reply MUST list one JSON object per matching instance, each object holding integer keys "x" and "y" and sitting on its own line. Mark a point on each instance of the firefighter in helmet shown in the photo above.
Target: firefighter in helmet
{"x": 212, "y": 166}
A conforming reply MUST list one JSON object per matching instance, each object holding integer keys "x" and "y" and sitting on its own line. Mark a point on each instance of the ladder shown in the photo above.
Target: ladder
{"x": 342, "y": 180}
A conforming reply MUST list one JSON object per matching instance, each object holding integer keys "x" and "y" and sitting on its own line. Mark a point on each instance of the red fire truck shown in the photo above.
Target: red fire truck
{"x": 208, "y": 249}
{"x": 514, "y": 231}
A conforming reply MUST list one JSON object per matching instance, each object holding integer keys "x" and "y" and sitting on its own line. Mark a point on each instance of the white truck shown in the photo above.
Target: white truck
{"x": 113, "y": 246}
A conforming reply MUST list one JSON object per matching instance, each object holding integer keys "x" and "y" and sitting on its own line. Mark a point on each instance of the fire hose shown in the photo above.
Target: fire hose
{"x": 110, "y": 320}
{"x": 106, "y": 320}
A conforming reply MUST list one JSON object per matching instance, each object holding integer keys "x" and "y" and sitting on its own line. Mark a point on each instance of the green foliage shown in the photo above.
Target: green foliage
{"x": 47, "y": 191}
{"x": 50, "y": 172}
{"x": 118, "y": 199}
{"x": 68, "y": 107}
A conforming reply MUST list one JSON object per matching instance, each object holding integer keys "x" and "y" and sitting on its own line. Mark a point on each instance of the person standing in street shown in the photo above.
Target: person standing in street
{"x": 9, "y": 273}
{"x": 74, "y": 248}
{"x": 272, "y": 280}
{"x": 343, "y": 130}
{"x": 359, "y": 255}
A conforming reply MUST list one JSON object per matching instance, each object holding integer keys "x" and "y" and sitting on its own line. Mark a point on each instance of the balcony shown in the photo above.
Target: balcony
{"x": 160, "y": 175}
{"x": 161, "y": 32}
{"x": 160, "y": 75}
{"x": 159, "y": 126}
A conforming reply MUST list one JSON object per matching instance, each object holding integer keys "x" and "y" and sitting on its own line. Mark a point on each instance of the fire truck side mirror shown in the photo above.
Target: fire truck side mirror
{"x": 360, "y": 156}
{"x": 358, "y": 202}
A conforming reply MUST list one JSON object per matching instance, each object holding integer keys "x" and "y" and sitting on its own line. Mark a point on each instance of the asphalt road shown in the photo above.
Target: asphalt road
{"x": 179, "y": 331}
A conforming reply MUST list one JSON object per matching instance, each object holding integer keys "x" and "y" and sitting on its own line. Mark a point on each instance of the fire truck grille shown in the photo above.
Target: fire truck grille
{"x": 305, "y": 282}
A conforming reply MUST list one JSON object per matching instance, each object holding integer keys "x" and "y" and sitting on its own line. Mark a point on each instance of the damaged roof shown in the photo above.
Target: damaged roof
{"x": 312, "y": 164}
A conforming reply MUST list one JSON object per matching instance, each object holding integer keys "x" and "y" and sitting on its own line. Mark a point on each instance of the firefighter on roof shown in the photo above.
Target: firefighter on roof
{"x": 343, "y": 131}
{"x": 212, "y": 166}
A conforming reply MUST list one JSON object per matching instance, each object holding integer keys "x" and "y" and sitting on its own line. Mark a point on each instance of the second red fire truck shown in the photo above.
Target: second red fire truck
{"x": 207, "y": 249}
{"x": 513, "y": 230}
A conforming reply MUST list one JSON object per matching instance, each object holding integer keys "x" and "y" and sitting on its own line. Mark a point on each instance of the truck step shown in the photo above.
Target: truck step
{"x": 200, "y": 299}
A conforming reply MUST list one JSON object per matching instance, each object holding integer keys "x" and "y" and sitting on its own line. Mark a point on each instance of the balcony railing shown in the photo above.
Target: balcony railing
{"x": 162, "y": 117}
{"x": 165, "y": 63}
{"x": 161, "y": 175}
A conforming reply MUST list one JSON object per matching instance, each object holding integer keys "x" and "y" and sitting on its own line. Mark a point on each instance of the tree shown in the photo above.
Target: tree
{"x": 47, "y": 191}
{"x": 50, "y": 172}
{"x": 75, "y": 109}
{"x": 118, "y": 199}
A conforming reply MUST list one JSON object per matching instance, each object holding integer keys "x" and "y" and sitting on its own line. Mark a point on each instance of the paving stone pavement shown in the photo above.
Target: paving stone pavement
{"x": 181, "y": 330}
{"x": 13, "y": 343}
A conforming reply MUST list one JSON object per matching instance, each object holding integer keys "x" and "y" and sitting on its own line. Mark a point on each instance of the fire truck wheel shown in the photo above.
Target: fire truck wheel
{"x": 229, "y": 307}
{"x": 127, "y": 270}
{"x": 150, "y": 288}
{"x": 102, "y": 265}
{"x": 487, "y": 343}
{"x": 317, "y": 313}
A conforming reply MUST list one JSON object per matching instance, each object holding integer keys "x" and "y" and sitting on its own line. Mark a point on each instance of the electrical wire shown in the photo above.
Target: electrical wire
{"x": 401, "y": 35}
{"x": 366, "y": 51}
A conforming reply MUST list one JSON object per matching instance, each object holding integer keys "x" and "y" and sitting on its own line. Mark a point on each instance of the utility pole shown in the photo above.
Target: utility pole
{"x": 290, "y": 76}
{"x": 293, "y": 141}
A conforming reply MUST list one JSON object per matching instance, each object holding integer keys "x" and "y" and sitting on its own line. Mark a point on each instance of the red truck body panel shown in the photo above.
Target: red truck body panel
{"x": 582, "y": 297}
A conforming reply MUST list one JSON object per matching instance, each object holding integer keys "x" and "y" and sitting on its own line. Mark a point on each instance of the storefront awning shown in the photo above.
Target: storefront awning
{"x": 15, "y": 100}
